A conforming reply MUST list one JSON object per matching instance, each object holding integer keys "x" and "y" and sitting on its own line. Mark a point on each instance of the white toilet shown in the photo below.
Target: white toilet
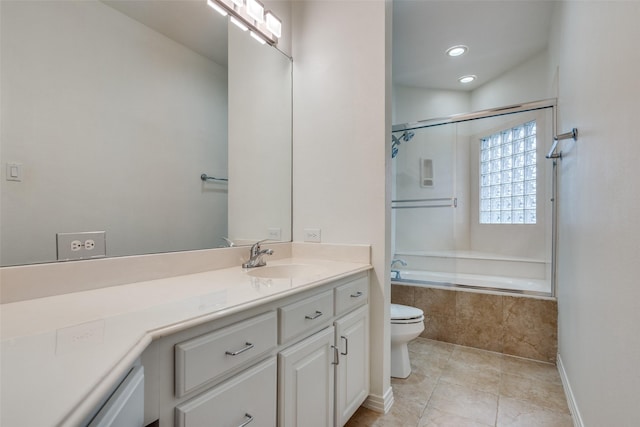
{"x": 406, "y": 324}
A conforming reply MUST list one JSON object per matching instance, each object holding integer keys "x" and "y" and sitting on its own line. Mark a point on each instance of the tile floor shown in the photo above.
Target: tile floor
{"x": 452, "y": 385}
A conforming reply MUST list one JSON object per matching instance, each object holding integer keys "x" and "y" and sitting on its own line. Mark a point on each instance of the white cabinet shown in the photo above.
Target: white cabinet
{"x": 298, "y": 361}
{"x": 307, "y": 396}
{"x": 352, "y": 371}
{"x": 246, "y": 398}
{"x": 306, "y": 375}
{"x": 207, "y": 357}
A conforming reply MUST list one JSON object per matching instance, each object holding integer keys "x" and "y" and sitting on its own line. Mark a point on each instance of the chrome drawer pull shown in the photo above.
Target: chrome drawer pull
{"x": 248, "y": 421}
{"x": 357, "y": 295}
{"x": 314, "y": 316}
{"x": 346, "y": 346}
{"x": 249, "y": 346}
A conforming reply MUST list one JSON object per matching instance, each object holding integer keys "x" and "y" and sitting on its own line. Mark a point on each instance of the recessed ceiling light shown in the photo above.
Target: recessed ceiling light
{"x": 467, "y": 79}
{"x": 457, "y": 50}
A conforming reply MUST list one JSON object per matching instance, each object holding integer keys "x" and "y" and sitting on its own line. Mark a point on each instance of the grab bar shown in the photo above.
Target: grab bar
{"x": 453, "y": 203}
{"x": 205, "y": 177}
{"x": 567, "y": 135}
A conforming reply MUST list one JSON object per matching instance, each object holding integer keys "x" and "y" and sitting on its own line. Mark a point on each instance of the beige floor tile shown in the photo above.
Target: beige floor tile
{"x": 476, "y": 358}
{"x": 519, "y": 413}
{"x": 434, "y": 417}
{"x": 428, "y": 346}
{"x": 399, "y": 415}
{"x": 428, "y": 365}
{"x": 417, "y": 387}
{"x": 530, "y": 369}
{"x": 540, "y": 393}
{"x": 479, "y": 378}
{"x": 464, "y": 402}
{"x": 458, "y": 386}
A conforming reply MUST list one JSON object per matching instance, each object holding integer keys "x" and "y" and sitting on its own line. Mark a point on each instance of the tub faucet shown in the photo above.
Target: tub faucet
{"x": 395, "y": 274}
{"x": 256, "y": 256}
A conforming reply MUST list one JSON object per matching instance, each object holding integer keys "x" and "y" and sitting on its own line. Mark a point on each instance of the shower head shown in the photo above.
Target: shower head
{"x": 405, "y": 137}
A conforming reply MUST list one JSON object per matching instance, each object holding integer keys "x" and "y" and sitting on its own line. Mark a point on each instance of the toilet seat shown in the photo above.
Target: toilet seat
{"x": 404, "y": 314}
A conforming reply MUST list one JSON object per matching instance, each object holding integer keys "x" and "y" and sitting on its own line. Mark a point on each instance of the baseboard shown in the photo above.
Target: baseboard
{"x": 571, "y": 400}
{"x": 380, "y": 403}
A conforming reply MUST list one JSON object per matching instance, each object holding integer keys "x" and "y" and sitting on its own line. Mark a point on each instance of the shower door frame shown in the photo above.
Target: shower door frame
{"x": 502, "y": 111}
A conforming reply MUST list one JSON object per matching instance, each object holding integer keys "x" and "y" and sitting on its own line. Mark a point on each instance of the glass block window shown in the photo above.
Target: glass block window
{"x": 508, "y": 176}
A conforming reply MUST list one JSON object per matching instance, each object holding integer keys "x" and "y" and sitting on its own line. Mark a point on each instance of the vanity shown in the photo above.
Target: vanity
{"x": 290, "y": 348}
{"x": 304, "y": 357}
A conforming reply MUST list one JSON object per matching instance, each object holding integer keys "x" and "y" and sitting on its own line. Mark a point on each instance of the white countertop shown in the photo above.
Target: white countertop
{"x": 61, "y": 354}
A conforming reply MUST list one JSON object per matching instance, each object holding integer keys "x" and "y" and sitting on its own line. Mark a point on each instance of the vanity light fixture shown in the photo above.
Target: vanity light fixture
{"x": 467, "y": 79}
{"x": 273, "y": 24}
{"x": 238, "y": 23}
{"x": 265, "y": 27}
{"x": 457, "y": 50}
{"x": 255, "y": 9}
{"x": 257, "y": 37}
{"x": 217, "y": 8}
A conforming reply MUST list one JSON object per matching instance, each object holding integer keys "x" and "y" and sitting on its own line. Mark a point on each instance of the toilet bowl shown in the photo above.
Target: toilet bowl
{"x": 407, "y": 323}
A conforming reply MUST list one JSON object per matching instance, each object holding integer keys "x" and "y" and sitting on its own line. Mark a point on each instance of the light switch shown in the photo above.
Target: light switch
{"x": 14, "y": 172}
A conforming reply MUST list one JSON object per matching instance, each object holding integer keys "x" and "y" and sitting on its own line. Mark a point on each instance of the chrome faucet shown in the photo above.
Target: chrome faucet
{"x": 395, "y": 274}
{"x": 256, "y": 256}
{"x": 229, "y": 242}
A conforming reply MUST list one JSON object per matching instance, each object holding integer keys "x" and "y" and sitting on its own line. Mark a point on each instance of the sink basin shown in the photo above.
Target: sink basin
{"x": 285, "y": 271}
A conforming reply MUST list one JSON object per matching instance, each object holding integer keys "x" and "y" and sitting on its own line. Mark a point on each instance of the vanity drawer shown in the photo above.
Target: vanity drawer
{"x": 305, "y": 315}
{"x": 249, "y": 397}
{"x": 352, "y": 294}
{"x": 207, "y": 357}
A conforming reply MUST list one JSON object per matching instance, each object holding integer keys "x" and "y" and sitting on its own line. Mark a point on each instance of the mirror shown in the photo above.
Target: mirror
{"x": 112, "y": 111}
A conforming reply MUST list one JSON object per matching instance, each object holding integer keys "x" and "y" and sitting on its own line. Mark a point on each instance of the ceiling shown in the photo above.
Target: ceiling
{"x": 189, "y": 22}
{"x": 500, "y": 35}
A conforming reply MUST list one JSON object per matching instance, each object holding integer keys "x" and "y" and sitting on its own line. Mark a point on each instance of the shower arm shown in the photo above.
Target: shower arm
{"x": 567, "y": 135}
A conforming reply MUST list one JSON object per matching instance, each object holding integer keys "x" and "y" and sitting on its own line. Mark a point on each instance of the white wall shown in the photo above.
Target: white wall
{"x": 529, "y": 81}
{"x": 342, "y": 117}
{"x": 127, "y": 119}
{"x": 412, "y": 104}
{"x": 599, "y": 231}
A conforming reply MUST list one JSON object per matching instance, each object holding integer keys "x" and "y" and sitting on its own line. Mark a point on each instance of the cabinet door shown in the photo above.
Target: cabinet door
{"x": 352, "y": 373}
{"x": 248, "y": 397}
{"x": 306, "y": 375}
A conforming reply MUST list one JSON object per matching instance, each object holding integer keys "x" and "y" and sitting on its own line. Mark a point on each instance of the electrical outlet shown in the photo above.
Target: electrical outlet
{"x": 73, "y": 246}
{"x": 312, "y": 235}
{"x": 274, "y": 233}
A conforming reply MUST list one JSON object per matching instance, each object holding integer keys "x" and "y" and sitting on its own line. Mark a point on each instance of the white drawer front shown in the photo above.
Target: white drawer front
{"x": 352, "y": 294}
{"x": 249, "y": 397}
{"x": 306, "y": 315}
{"x": 204, "y": 358}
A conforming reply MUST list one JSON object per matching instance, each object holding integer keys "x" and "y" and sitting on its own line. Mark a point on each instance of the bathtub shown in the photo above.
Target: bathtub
{"x": 474, "y": 282}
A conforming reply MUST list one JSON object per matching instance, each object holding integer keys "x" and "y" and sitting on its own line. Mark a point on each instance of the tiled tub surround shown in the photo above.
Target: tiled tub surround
{"x": 67, "y": 379}
{"x": 519, "y": 326}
